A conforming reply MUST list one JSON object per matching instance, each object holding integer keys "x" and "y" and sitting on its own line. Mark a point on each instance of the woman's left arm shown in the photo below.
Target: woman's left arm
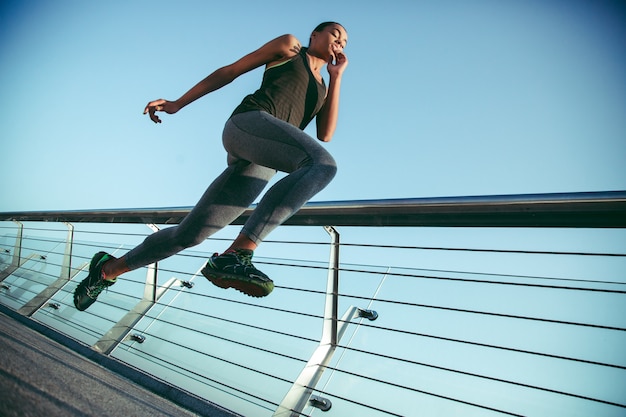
{"x": 326, "y": 119}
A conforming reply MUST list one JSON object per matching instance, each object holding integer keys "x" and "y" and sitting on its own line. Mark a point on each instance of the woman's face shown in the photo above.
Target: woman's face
{"x": 331, "y": 40}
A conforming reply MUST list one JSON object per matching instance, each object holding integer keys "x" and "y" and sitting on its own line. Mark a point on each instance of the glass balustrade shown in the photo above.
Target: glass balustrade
{"x": 473, "y": 321}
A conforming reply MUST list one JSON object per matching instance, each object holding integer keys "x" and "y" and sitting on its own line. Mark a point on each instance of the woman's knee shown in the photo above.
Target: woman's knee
{"x": 327, "y": 166}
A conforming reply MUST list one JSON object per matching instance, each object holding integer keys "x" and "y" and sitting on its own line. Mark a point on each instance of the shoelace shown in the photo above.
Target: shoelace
{"x": 244, "y": 258}
{"x": 95, "y": 289}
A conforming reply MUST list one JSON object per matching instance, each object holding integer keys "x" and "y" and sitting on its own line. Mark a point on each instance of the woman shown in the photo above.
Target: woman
{"x": 263, "y": 135}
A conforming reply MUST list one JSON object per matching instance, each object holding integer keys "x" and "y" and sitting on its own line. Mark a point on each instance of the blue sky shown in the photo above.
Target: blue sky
{"x": 440, "y": 98}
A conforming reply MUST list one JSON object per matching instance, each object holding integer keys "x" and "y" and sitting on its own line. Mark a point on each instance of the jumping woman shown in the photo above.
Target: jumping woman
{"x": 263, "y": 135}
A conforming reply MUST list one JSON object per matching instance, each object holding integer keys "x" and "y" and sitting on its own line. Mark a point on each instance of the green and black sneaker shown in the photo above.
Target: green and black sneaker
{"x": 235, "y": 270}
{"x": 90, "y": 288}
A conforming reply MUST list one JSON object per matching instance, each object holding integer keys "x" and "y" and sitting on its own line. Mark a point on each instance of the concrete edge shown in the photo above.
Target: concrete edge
{"x": 177, "y": 395}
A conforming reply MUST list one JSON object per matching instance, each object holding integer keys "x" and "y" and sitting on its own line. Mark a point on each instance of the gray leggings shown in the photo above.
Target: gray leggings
{"x": 258, "y": 145}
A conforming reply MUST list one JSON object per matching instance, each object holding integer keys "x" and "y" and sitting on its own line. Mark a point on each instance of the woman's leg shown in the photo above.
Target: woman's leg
{"x": 264, "y": 140}
{"x": 225, "y": 199}
{"x": 267, "y": 141}
{"x": 258, "y": 144}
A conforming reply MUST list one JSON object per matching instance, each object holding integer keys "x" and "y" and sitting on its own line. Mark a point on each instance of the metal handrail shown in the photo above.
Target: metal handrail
{"x": 577, "y": 210}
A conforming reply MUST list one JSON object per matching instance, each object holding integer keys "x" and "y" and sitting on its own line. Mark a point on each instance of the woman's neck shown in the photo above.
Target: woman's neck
{"x": 315, "y": 63}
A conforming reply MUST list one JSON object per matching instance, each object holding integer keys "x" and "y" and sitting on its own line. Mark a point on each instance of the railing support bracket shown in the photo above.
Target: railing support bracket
{"x": 323, "y": 404}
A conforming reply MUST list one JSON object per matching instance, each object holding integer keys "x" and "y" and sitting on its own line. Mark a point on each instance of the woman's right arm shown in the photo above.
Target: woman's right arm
{"x": 279, "y": 49}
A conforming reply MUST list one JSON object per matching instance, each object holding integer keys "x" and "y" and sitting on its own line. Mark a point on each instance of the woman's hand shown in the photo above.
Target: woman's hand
{"x": 338, "y": 62}
{"x": 169, "y": 107}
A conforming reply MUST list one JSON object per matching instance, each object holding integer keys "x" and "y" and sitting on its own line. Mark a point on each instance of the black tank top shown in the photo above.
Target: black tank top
{"x": 289, "y": 92}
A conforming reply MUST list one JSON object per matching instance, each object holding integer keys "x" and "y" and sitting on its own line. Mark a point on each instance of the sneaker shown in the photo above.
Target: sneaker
{"x": 90, "y": 288}
{"x": 235, "y": 270}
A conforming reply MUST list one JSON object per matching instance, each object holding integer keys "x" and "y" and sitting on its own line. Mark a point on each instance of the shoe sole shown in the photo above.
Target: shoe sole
{"x": 242, "y": 284}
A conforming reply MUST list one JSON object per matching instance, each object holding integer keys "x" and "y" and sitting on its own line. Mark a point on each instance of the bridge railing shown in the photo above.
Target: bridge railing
{"x": 497, "y": 305}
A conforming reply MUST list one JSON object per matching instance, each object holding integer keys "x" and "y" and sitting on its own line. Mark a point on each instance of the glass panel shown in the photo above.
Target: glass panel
{"x": 470, "y": 321}
{"x": 8, "y": 233}
{"x": 240, "y": 352}
{"x": 453, "y": 338}
{"x": 113, "y": 304}
{"x": 25, "y": 283}
{"x": 42, "y": 257}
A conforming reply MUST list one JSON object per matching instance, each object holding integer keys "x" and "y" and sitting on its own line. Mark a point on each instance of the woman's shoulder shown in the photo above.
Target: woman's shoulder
{"x": 290, "y": 43}
{"x": 286, "y": 47}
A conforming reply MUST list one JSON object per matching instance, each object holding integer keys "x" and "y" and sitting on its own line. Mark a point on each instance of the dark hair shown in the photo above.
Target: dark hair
{"x": 322, "y": 25}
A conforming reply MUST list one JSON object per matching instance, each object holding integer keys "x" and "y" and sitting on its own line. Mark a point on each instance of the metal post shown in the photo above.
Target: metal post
{"x": 122, "y": 328}
{"x": 151, "y": 295}
{"x": 66, "y": 268}
{"x": 66, "y": 274}
{"x": 298, "y": 396}
{"x": 150, "y": 289}
{"x": 329, "y": 331}
{"x": 17, "y": 253}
